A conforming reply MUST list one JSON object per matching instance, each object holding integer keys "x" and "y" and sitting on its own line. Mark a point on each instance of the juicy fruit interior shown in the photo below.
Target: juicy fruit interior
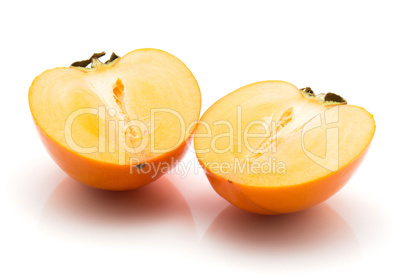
{"x": 128, "y": 89}
{"x": 300, "y": 138}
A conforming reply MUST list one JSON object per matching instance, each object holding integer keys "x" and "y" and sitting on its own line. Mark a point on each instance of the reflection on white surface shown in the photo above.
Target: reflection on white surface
{"x": 153, "y": 212}
{"x": 180, "y": 222}
{"x": 314, "y": 238}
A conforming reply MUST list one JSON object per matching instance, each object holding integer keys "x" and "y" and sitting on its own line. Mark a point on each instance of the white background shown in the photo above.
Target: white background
{"x": 54, "y": 227}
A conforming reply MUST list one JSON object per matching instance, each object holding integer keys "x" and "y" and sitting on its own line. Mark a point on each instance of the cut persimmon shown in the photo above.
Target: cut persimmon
{"x": 120, "y": 124}
{"x": 271, "y": 148}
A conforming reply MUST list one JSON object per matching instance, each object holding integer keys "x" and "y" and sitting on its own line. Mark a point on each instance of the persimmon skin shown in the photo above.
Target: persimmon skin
{"x": 109, "y": 176}
{"x": 273, "y": 200}
{"x": 158, "y": 78}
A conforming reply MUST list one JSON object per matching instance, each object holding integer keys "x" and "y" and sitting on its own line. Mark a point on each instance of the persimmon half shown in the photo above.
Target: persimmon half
{"x": 117, "y": 125}
{"x": 271, "y": 148}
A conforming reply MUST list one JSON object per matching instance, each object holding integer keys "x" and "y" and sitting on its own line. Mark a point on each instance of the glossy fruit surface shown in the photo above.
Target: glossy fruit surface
{"x": 272, "y": 148}
{"x": 117, "y": 125}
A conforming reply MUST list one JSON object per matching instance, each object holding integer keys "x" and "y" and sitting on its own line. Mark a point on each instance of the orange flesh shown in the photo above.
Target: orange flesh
{"x": 139, "y": 109}
{"x": 282, "y": 141}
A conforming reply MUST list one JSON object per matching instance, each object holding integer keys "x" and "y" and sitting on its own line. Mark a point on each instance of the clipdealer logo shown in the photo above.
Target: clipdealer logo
{"x": 114, "y": 137}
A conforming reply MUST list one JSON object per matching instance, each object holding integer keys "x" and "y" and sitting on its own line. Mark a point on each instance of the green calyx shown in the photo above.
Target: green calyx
{"x": 94, "y": 61}
{"x": 326, "y": 99}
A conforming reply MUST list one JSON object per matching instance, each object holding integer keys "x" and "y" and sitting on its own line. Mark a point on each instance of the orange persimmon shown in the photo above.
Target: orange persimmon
{"x": 120, "y": 124}
{"x": 271, "y": 148}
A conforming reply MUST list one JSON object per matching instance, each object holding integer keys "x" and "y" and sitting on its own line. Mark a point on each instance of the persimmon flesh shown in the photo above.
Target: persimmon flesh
{"x": 270, "y": 148}
{"x": 117, "y": 125}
